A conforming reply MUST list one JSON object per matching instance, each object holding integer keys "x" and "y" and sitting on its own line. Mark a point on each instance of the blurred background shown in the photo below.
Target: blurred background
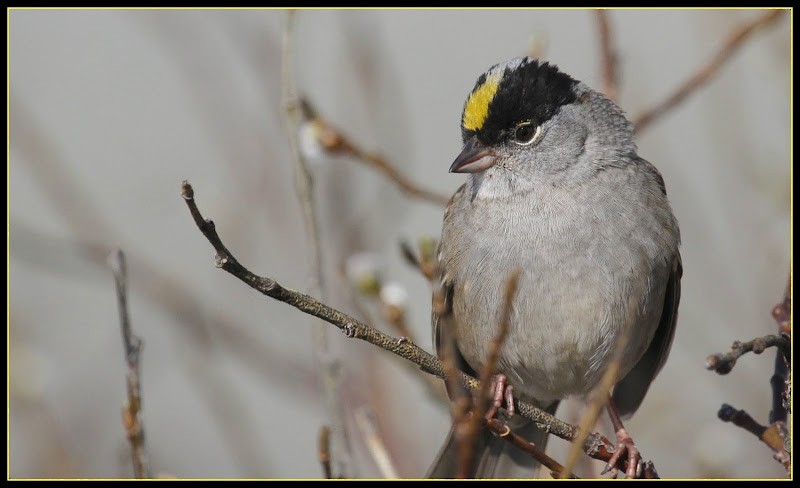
{"x": 110, "y": 110}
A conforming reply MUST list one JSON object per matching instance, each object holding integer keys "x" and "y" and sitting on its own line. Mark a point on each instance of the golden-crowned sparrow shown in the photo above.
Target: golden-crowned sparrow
{"x": 555, "y": 189}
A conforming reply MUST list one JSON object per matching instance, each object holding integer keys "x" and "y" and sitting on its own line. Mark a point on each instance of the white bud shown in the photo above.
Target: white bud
{"x": 394, "y": 294}
{"x": 308, "y": 140}
{"x": 363, "y": 269}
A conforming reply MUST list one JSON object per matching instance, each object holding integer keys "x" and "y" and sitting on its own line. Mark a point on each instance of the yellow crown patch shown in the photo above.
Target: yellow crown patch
{"x": 477, "y": 107}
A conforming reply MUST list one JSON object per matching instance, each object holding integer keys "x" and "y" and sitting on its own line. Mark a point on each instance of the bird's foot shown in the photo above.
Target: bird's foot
{"x": 625, "y": 445}
{"x": 501, "y": 391}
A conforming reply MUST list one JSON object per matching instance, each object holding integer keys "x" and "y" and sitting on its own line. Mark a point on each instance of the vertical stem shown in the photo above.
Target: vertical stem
{"x": 304, "y": 186}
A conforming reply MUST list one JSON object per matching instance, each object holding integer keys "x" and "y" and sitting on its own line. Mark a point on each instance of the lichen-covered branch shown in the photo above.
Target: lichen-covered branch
{"x": 595, "y": 445}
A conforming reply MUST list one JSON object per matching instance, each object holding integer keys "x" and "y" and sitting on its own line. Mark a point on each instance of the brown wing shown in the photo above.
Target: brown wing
{"x": 630, "y": 391}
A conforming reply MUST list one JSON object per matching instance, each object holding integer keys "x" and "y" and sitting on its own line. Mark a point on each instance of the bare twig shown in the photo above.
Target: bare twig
{"x": 735, "y": 40}
{"x": 608, "y": 55}
{"x": 723, "y": 363}
{"x": 132, "y": 409}
{"x": 468, "y": 430}
{"x": 594, "y": 445}
{"x": 365, "y": 420}
{"x": 304, "y": 185}
{"x": 774, "y": 436}
{"x": 334, "y": 142}
{"x": 324, "y": 451}
{"x": 505, "y": 432}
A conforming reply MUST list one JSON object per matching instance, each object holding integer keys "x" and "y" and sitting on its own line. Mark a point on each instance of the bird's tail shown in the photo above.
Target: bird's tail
{"x": 495, "y": 457}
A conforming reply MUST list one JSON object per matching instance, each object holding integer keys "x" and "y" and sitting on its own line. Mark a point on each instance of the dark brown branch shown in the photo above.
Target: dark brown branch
{"x": 595, "y": 445}
{"x": 501, "y": 429}
{"x": 780, "y": 381}
{"x": 608, "y": 55}
{"x": 723, "y": 363}
{"x": 324, "y": 451}
{"x": 468, "y": 429}
{"x": 132, "y": 409}
{"x": 774, "y": 436}
{"x": 735, "y": 40}
{"x": 334, "y": 142}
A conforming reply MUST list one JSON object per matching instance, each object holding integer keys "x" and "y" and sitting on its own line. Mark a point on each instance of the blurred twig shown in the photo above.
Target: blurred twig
{"x": 467, "y": 429}
{"x": 334, "y": 142}
{"x": 304, "y": 185}
{"x": 608, "y": 55}
{"x": 595, "y": 445}
{"x": 132, "y": 410}
{"x": 365, "y": 420}
{"x": 599, "y": 398}
{"x": 72, "y": 202}
{"x": 735, "y": 40}
{"x": 723, "y": 363}
{"x": 324, "y": 451}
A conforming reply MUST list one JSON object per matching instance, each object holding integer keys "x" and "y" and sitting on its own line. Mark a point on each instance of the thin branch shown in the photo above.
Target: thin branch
{"x": 324, "y": 451}
{"x": 706, "y": 72}
{"x": 365, "y": 420}
{"x": 504, "y": 431}
{"x": 132, "y": 409}
{"x": 334, "y": 142}
{"x": 774, "y": 436}
{"x": 608, "y": 54}
{"x": 468, "y": 430}
{"x": 304, "y": 186}
{"x": 595, "y": 445}
{"x": 724, "y": 363}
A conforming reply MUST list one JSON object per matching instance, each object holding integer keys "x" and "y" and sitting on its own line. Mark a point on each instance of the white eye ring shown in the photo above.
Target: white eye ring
{"x": 533, "y": 138}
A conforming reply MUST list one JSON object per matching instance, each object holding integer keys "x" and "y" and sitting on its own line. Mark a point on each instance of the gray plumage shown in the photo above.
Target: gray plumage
{"x": 588, "y": 223}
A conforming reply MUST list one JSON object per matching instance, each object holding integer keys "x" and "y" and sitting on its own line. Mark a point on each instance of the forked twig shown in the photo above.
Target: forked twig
{"x": 594, "y": 445}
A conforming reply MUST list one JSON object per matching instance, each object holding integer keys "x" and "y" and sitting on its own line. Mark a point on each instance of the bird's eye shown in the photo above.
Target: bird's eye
{"x": 526, "y": 133}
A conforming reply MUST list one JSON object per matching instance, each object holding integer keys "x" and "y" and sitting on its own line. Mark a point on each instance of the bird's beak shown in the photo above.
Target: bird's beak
{"x": 474, "y": 158}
